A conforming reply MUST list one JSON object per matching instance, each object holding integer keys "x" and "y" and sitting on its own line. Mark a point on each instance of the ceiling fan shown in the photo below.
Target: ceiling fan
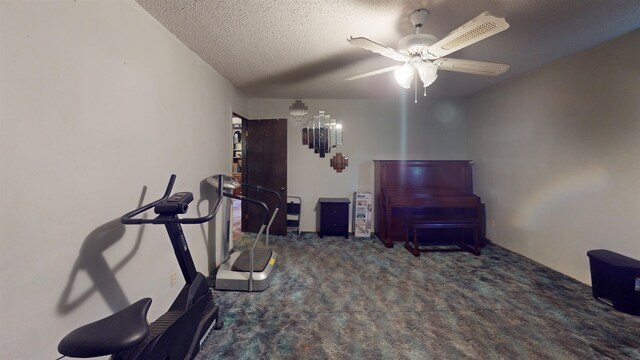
{"x": 423, "y": 53}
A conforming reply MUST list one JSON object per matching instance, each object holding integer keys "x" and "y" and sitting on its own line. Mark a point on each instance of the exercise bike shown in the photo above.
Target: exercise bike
{"x": 252, "y": 269}
{"x": 178, "y": 333}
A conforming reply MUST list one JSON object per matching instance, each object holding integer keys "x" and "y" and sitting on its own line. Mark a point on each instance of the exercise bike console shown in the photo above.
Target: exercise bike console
{"x": 177, "y": 203}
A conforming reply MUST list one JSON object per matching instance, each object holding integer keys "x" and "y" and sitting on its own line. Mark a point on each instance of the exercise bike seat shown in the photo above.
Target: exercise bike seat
{"x": 122, "y": 330}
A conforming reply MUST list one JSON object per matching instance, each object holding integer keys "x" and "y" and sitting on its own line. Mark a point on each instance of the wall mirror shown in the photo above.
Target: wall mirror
{"x": 322, "y": 133}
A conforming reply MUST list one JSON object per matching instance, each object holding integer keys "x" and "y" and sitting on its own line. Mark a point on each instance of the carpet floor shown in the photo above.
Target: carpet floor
{"x": 336, "y": 298}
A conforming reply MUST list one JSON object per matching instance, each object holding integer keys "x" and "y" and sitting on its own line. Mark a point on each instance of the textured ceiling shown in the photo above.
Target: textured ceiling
{"x": 298, "y": 48}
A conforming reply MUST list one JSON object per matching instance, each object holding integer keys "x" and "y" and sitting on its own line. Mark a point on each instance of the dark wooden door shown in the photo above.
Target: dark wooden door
{"x": 265, "y": 165}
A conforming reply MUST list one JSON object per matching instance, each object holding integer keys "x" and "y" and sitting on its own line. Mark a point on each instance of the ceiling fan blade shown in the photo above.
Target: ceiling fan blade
{"x": 471, "y": 67}
{"x": 371, "y": 73}
{"x": 377, "y": 48}
{"x": 479, "y": 28}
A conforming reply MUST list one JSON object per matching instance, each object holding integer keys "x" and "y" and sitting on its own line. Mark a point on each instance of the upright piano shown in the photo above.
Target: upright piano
{"x": 406, "y": 189}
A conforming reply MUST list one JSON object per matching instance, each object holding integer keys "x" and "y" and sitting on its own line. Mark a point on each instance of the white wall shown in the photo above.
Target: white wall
{"x": 557, "y": 154}
{"x": 98, "y": 100}
{"x": 373, "y": 129}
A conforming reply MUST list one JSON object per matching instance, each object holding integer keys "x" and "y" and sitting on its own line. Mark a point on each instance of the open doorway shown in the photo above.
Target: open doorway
{"x": 237, "y": 171}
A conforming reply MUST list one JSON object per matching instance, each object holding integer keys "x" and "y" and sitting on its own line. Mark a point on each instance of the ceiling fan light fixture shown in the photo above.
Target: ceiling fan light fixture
{"x": 404, "y": 75}
{"x": 428, "y": 73}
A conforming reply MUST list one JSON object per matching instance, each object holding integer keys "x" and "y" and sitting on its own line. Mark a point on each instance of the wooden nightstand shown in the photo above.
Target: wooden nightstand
{"x": 333, "y": 217}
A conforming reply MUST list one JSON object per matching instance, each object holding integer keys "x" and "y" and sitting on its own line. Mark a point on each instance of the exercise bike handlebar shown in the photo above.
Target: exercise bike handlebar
{"x": 260, "y": 188}
{"x": 275, "y": 211}
{"x": 250, "y": 200}
{"x": 128, "y": 218}
{"x": 266, "y": 224}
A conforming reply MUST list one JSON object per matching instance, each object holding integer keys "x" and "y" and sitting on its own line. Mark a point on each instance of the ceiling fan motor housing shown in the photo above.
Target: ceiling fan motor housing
{"x": 418, "y": 17}
{"x": 417, "y": 43}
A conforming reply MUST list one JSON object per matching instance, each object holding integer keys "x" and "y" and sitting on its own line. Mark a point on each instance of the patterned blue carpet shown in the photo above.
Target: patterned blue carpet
{"x": 337, "y": 298}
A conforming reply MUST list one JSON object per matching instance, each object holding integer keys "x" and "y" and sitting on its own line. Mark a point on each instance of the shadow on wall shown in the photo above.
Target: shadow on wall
{"x": 92, "y": 261}
{"x": 208, "y": 193}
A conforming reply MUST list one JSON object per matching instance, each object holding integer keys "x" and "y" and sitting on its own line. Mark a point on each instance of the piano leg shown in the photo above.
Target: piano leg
{"x": 475, "y": 248}
{"x": 476, "y": 241}
{"x": 410, "y": 230}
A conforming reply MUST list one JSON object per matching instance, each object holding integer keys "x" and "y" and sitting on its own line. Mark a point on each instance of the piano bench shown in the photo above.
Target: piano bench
{"x": 415, "y": 225}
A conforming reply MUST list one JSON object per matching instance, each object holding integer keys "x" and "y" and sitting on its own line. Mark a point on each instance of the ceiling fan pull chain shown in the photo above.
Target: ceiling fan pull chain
{"x": 415, "y": 86}
{"x": 425, "y": 91}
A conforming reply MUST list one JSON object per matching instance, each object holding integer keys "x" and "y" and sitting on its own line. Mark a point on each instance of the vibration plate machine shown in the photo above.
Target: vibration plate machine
{"x": 177, "y": 334}
{"x": 247, "y": 270}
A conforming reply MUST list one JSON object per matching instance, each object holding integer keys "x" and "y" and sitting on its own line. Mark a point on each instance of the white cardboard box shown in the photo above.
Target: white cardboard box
{"x": 362, "y": 204}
